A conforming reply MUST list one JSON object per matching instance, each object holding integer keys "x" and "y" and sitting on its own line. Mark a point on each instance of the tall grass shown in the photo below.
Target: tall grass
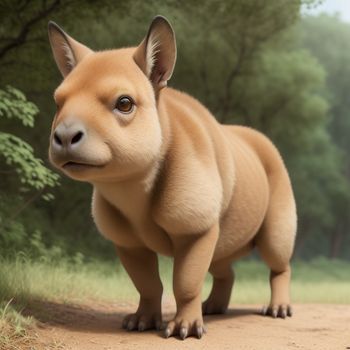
{"x": 318, "y": 281}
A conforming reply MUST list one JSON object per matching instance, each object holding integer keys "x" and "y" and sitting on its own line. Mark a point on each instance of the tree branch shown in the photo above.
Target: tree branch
{"x": 230, "y": 78}
{"x": 24, "y": 205}
{"x": 24, "y": 5}
{"x": 21, "y": 38}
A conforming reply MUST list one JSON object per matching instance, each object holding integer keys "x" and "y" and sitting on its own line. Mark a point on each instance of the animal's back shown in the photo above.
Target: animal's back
{"x": 268, "y": 154}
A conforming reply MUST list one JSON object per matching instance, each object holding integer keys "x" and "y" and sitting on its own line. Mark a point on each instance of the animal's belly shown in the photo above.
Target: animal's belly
{"x": 247, "y": 209}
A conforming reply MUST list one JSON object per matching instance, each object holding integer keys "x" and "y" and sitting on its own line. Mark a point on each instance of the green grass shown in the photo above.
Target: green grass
{"x": 318, "y": 281}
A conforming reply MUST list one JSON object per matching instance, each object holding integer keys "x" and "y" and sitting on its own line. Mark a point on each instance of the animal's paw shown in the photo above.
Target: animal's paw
{"x": 142, "y": 321}
{"x": 212, "y": 307}
{"x": 277, "y": 310}
{"x": 185, "y": 327}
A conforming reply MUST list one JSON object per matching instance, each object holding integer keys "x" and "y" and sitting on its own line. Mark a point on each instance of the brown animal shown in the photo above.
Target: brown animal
{"x": 168, "y": 178}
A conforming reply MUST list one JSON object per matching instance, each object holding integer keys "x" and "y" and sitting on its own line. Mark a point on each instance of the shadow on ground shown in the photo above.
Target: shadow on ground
{"x": 106, "y": 318}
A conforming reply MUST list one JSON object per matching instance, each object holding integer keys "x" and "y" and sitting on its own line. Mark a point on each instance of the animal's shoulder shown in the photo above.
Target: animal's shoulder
{"x": 189, "y": 194}
{"x": 188, "y": 197}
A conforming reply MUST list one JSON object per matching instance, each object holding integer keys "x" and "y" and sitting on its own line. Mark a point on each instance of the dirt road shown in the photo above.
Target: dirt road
{"x": 98, "y": 326}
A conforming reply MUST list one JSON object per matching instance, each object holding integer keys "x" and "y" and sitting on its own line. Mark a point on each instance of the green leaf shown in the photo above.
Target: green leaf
{"x": 17, "y": 153}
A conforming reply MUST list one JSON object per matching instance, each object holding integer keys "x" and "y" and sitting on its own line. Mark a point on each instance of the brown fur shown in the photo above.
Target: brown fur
{"x": 169, "y": 179}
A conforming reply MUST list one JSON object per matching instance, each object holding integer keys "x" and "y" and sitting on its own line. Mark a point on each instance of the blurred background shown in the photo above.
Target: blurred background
{"x": 282, "y": 67}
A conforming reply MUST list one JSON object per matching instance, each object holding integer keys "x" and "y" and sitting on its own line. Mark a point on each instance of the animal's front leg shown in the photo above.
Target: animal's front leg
{"x": 192, "y": 257}
{"x": 142, "y": 266}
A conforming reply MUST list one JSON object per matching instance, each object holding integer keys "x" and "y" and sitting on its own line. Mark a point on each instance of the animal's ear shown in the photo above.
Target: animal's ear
{"x": 66, "y": 51}
{"x": 156, "y": 55}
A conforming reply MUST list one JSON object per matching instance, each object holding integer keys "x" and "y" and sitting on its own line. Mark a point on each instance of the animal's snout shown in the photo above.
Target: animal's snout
{"x": 68, "y": 136}
{"x": 75, "y": 147}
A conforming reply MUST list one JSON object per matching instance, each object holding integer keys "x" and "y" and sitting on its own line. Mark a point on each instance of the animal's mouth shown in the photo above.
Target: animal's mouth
{"x": 79, "y": 166}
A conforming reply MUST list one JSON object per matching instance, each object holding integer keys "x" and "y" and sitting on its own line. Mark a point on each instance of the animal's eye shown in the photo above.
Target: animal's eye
{"x": 125, "y": 104}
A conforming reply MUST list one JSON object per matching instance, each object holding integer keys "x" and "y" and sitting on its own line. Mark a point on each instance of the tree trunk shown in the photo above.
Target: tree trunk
{"x": 336, "y": 241}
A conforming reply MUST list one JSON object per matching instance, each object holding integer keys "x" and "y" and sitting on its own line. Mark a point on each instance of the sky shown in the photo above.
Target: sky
{"x": 333, "y": 6}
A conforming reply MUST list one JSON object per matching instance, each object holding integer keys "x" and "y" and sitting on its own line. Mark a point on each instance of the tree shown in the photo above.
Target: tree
{"x": 327, "y": 38}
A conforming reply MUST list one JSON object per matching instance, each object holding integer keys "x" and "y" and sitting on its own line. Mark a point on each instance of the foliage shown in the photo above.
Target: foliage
{"x": 18, "y": 153}
{"x": 18, "y": 157}
{"x": 327, "y": 38}
{"x": 13, "y": 104}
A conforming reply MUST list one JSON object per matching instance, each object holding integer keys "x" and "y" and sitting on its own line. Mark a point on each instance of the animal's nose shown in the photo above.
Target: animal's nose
{"x": 68, "y": 136}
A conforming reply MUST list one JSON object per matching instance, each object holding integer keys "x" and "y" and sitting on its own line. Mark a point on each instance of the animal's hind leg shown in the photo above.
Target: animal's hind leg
{"x": 275, "y": 243}
{"x": 223, "y": 278}
{"x": 280, "y": 298}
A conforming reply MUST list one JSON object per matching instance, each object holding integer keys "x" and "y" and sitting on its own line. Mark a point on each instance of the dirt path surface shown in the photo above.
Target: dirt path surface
{"x": 99, "y": 327}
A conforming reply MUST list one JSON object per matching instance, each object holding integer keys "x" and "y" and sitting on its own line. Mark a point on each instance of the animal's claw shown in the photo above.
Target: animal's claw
{"x": 142, "y": 321}
{"x": 184, "y": 329}
{"x": 277, "y": 310}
